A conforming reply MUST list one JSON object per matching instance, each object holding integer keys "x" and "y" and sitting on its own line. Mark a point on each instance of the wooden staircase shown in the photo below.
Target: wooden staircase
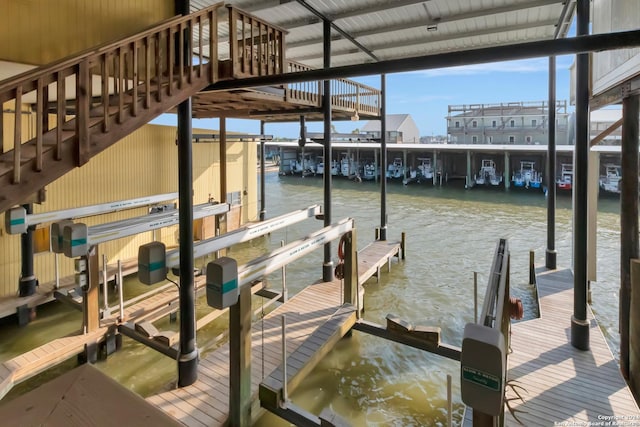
{"x": 71, "y": 110}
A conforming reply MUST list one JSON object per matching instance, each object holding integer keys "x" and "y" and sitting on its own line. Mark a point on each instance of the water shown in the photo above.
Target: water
{"x": 451, "y": 232}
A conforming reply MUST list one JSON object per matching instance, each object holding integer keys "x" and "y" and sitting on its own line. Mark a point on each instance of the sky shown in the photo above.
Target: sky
{"x": 426, "y": 95}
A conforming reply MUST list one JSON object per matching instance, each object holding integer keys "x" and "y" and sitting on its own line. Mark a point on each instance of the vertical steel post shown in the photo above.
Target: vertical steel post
{"x": 383, "y": 157}
{"x": 263, "y": 198}
{"x": 240, "y": 357}
{"x": 28, "y": 282}
{"x": 188, "y": 360}
{"x": 507, "y": 172}
{"x": 628, "y": 221}
{"x": 327, "y": 266}
{"x": 551, "y": 254}
{"x": 579, "y": 323}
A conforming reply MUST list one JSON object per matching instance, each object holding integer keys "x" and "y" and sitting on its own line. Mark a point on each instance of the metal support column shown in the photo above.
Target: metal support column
{"x": 223, "y": 160}
{"x": 263, "y": 198}
{"x": 551, "y": 254}
{"x": 188, "y": 359}
{"x": 579, "y": 323}
{"x": 507, "y": 171}
{"x": 28, "y": 282}
{"x": 383, "y": 157}
{"x": 468, "y": 183}
{"x": 327, "y": 266}
{"x": 628, "y": 220}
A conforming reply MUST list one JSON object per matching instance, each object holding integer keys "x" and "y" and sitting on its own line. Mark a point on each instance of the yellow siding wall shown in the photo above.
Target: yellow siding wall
{"x": 41, "y": 31}
{"x": 144, "y": 163}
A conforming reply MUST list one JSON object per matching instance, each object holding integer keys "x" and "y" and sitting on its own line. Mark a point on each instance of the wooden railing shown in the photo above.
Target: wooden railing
{"x": 346, "y": 95}
{"x": 256, "y": 47}
{"x": 78, "y": 106}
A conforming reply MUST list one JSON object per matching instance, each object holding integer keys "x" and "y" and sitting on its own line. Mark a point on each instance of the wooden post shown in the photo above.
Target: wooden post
{"x": 628, "y": 219}
{"x": 532, "y": 268}
{"x": 634, "y": 330}
{"x": 507, "y": 173}
{"x": 240, "y": 360}
{"x": 91, "y": 308}
{"x": 403, "y": 245}
{"x": 469, "y": 185}
{"x": 350, "y": 269}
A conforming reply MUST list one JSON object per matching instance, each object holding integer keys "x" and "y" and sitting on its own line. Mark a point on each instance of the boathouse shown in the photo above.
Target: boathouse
{"x": 401, "y": 129}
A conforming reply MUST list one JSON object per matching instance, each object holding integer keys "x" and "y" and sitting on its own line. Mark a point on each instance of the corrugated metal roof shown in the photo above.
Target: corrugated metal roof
{"x": 371, "y": 30}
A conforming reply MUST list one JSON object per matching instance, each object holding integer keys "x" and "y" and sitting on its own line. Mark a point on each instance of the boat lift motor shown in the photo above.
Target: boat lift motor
{"x": 222, "y": 283}
{"x": 483, "y": 368}
{"x": 152, "y": 263}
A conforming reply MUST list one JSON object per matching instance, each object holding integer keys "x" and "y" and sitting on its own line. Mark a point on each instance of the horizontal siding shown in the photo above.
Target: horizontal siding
{"x": 41, "y": 31}
{"x": 144, "y": 163}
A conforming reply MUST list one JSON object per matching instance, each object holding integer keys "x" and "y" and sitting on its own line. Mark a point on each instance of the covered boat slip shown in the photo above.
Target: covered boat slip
{"x": 559, "y": 383}
{"x": 316, "y": 311}
{"x": 134, "y": 318}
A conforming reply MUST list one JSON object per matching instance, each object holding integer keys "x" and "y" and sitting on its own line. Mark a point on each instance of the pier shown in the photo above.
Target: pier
{"x": 206, "y": 402}
{"x": 558, "y": 382}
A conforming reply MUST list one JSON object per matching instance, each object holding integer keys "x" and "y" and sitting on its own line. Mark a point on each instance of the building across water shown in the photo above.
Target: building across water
{"x": 506, "y": 123}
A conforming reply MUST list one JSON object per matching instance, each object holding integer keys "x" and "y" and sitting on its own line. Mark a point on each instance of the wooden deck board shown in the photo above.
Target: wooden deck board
{"x": 305, "y": 312}
{"x": 563, "y": 384}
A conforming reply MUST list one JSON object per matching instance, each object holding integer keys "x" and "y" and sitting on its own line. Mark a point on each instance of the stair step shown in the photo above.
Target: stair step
{"x": 99, "y": 111}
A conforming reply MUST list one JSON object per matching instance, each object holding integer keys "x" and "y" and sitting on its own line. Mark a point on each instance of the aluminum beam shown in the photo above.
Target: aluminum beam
{"x": 35, "y": 219}
{"x": 129, "y": 227}
{"x": 244, "y": 234}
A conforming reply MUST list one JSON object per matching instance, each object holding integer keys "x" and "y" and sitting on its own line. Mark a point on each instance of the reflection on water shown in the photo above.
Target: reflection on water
{"x": 451, "y": 232}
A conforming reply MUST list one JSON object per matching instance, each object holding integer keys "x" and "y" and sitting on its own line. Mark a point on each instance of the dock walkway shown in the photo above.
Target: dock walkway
{"x": 563, "y": 385}
{"x": 206, "y": 402}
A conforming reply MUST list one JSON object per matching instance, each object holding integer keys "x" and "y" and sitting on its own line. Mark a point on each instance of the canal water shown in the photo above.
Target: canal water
{"x": 451, "y": 233}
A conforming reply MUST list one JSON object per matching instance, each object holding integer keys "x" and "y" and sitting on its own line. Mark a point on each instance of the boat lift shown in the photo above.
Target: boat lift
{"x": 17, "y": 220}
{"x": 77, "y": 238}
{"x": 255, "y": 269}
{"x": 148, "y": 267}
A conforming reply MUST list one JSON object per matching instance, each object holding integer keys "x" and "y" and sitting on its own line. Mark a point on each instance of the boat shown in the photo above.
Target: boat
{"x": 348, "y": 166}
{"x": 487, "y": 174}
{"x": 527, "y": 176}
{"x": 335, "y": 168}
{"x": 305, "y": 165}
{"x": 610, "y": 181}
{"x": 395, "y": 169}
{"x": 370, "y": 171}
{"x": 566, "y": 177}
{"x": 319, "y": 165}
{"x": 425, "y": 169}
{"x": 413, "y": 176}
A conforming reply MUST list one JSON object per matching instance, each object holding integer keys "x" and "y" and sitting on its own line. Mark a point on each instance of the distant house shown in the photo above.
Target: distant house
{"x": 506, "y": 123}
{"x": 602, "y": 120}
{"x": 400, "y": 129}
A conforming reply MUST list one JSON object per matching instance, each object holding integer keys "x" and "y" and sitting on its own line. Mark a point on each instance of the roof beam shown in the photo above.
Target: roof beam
{"x": 421, "y": 22}
{"x": 353, "y": 12}
{"x": 432, "y": 39}
{"x": 432, "y": 20}
{"x": 337, "y": 28}
{"x": 543, "y": 48}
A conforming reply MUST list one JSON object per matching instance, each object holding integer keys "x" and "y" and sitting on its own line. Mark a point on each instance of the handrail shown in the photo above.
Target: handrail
{"x": 345, "y": 94}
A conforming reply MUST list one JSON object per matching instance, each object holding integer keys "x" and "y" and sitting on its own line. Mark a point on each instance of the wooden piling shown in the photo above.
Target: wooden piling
{"x": 634, "y": 330}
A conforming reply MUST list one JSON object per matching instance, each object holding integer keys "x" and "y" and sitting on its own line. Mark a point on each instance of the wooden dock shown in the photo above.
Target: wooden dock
{"x": 562, "y": 384}
{"x": 206, "y": 402}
